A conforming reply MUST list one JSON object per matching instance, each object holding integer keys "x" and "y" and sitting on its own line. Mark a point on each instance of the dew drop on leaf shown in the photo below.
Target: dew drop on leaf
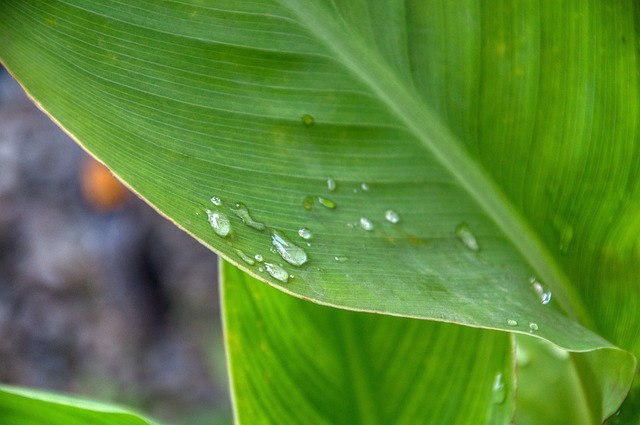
{"x": 307, "y": 204}
{"x": 391, "y": 216}
{"x": 219, "y": 223}
{"x": 499, "y": 390}
{"x": 328, "y": 203}
{"x": 277, "y": 272}
{"x": 289, "y": 252}
{"x": 331, "y": 184}
{"x": 305, "y": 233}
{"x": 533, "y": 327}
{"x": 247, "y": 259}
{"x": 242, "y": 211}
{"x": 258, "y": 258}
{"x": 216, "y": 201}
{"x": 307, "y": 119}
{"x": 364, "y": 186}
{"x": 466, "y": 237}
{"x": 543, "y": 294}
{"x": 341, "y": 258}
{"x": 512, "y": 322}
{"x": 366, "y": 224}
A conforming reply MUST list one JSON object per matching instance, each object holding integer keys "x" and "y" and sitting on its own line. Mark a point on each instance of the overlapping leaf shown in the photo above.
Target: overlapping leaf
{"x": 293, "y": 362}
{"x": 20, "y": 406}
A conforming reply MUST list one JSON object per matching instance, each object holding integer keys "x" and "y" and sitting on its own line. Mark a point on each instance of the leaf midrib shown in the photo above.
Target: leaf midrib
{"x": 356, "y": 56}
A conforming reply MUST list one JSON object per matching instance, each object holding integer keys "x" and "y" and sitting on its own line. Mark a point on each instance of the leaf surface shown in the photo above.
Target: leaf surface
{"x": 21, "y": 406}
{"x": 503, "y": 134}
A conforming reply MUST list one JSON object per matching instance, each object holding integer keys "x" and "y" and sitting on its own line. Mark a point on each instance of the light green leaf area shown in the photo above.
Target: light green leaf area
{"x": 503, "y": 134}
{"x": 21, "y": 406}
{"x": 293, "y": 362}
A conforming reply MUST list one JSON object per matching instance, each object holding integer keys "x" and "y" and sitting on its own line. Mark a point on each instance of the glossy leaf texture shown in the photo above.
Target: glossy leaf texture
{"x": 294, "y": 362}
{"x": 21, "y": 406}
{"x": 504, "y": 135}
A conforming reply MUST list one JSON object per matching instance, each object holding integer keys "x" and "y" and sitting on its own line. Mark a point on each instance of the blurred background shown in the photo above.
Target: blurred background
{"x": 99, "y": 294}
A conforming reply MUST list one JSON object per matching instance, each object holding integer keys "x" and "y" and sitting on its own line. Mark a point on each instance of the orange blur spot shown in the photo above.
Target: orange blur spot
{"x": 101, "y": 190}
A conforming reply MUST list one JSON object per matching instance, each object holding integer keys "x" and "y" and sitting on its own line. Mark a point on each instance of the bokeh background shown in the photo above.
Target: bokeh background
{"x": 99, "y": 294}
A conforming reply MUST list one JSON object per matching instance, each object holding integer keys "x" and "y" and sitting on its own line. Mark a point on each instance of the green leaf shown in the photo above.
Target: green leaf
{"x": 293, "y": 362}
{"x": 20, "y": 406}
{"x": 504, "y": 134}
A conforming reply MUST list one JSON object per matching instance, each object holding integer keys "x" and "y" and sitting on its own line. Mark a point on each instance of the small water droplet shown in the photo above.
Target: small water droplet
{"x": 289, "y": 252}
{"x": 291, "y": 276}
{"x": 364, "y": 186}
{"x": 307, "y": 119}
{"x": 260, "y": 269}
{"x": 258, "y": 258}
{"x": 327, "y": 202}
{"x": 307, "y": 204}
{"x": 466, "y": 237}
{"x": 341, "y": 258}
{"x": 499, "y": 390}
{"x": 391, "y": 216}
{"x": 331, "y": 184}
{"x": 543, "y": 294}
{"x": 219, "y": 223}
{"x": 247, "y": 259}
{"x": 366, "y": 224}
{"x": 216, "y": 201}
{"x": 277, "y": 272}
{"x": 242, "y": 211}
{"x": 512, "y": 322}
{"x": 304, "y": 233}
{"x": 533, "y": 327}
{"x": 352, "y": 225}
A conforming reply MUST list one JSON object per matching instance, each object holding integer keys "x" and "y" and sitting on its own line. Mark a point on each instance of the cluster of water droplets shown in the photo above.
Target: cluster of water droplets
{"x": 280, "y": 244}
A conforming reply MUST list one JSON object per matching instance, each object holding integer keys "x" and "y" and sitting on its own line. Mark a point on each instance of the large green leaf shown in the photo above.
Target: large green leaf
{"x": 504, "y": 134}
{"x": 293, "y": 362}
{"x": 20, "y": 406}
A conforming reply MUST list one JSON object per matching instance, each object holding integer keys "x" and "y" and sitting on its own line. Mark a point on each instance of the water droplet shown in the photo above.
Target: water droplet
{"x": 391, "y": 216}
{"x": 307, "y": 204}
{"x": 216, "y": 201}
{"x": 499, "y": 390}
{"x": 543, "y": 294}
{"x": 307, "y": 119}
{"x": 260, "y": 269}
{"x": 512, "y": 322}
{"x": 289, "y": 252}
{"x": 352, "y": 225}
{"x": 466, "y": 237}
{"x": 258, "y": 258}
{"x": 327, "y": 202}
{"x": 219, "y": 223}
{"x": 364, "y": 186}
{"x": 331, "y": 184}
{"x": 341, "y": 258}
{"x": 247, "y": 259}
{"x": 366, "y": 224}
{"x": 533, "y": 327}
{"x": 277, "y": 272}
{"x": 242, "y": 211}
{"x": 304, "y": 233}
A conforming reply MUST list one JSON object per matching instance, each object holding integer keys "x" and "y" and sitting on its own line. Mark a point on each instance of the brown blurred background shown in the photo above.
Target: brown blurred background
{"x": 99, "y": 295}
